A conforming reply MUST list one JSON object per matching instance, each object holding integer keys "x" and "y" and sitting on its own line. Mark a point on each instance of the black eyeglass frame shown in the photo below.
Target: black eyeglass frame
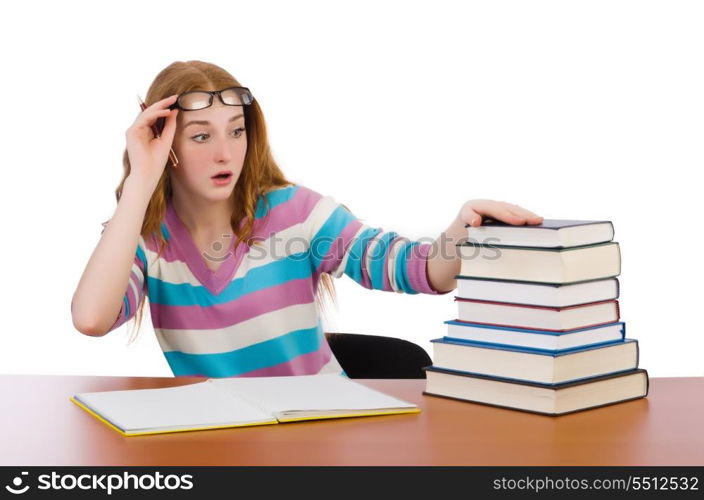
{"x": 247, "y": 92}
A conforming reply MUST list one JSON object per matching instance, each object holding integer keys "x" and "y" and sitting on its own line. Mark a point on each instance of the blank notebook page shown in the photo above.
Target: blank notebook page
{"x": 181, "y": 406}
{"x": 308, "y": 392}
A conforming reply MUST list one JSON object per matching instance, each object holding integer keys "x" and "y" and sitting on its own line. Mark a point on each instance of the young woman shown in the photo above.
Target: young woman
{"x": 231, "y": 254}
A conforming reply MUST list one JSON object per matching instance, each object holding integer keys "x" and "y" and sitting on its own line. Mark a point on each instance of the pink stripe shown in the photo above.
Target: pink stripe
{"x": 177, "y": 248}
{"x": 152, "y": 243}
{"x": 338, "y": 247}
{"x": 417, "y": 270}
{"x": 289, "y": 213}
{"x": 120, "y": 319}
{"x": 315, "y": 279}
{"x": 131, "y": 299}
{"x": 139, "y": 263}
{"x": 230, "y": 313}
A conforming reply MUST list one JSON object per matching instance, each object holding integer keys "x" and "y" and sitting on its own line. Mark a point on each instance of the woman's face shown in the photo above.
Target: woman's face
{"x": 209, "y": 141}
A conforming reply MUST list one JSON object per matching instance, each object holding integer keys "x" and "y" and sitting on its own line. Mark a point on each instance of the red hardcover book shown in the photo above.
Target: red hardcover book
{"x": 537, "y": 317}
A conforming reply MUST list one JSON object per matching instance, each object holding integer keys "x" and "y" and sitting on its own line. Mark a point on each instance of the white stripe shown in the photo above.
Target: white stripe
{"x": 393, "y": 255}
{"x": 140, "y": 275}
{"x": 371, "y": 248}
{"x": 332, "y": 366}
{"x": 320, "y": 213}
{"x": 136, "y": 296}
{"x": 252, "y": 331}
{"x": 136, "y": 282}
{"x": 337, "y": 272}
{"x": 279, "y": 246}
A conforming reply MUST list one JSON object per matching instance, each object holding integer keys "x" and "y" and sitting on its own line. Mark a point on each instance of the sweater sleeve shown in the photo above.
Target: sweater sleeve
{"x": 136, "y": 288}
{"x": 340, "y": 243}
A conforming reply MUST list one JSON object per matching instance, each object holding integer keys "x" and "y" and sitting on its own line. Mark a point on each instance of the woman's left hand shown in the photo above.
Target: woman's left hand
{"x": 472, "y": 212}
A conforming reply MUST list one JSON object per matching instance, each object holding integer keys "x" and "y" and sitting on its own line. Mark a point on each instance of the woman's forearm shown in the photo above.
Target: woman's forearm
{"x": 98, "y": 297}
{"x": 444, "y": 259}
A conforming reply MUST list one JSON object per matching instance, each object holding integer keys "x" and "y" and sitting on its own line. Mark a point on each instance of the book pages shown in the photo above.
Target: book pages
{"x": 195, "y": 405}
{"x": 306, "y": 393}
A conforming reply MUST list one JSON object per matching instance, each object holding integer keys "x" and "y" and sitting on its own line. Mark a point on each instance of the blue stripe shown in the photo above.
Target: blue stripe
{"x": 262, "y": 355}
{"x": 328, "y": 233}
{"x": 142, "y": 257}
{"x": 275, "y": 198}
{"x": 401, "y": 268}
{"x": 295, "y": 266}
{"x": 127, "y": 306}
{"x": 353, "y": 269}
{"x": 165, "y": 232}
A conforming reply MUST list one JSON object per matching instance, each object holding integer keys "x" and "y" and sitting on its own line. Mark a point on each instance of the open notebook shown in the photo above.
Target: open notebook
{"x": 235, "y": 402}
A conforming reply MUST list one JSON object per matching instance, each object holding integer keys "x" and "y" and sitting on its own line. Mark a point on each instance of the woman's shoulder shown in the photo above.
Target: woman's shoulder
{"x": 296, "y": 197}
{"x": 294, "y": 193}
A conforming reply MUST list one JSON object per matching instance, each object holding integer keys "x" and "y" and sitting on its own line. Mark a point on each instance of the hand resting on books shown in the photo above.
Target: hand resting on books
{"x": 472, "y": 212}
{"x": 441, "y": 269}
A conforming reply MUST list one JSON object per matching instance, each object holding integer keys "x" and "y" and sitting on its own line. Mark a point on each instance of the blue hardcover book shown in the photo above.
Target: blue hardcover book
{"x": 542, "y": 340}
{"x": 532, "y": 365}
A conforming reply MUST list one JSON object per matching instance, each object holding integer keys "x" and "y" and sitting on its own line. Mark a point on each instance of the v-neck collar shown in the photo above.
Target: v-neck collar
{"x": 215, "y": 281}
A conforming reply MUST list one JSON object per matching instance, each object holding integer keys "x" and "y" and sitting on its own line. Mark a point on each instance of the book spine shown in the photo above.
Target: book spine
{"x": 547, "y": 330}
{"x": 460, "y": 322}
{"x": 536, "y": 350}
{"x": 533, "y": 411}
{"x": 533, "y": 306}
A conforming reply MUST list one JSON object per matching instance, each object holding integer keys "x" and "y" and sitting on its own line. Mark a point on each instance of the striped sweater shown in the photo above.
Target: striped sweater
{"x": 256, "y": 314}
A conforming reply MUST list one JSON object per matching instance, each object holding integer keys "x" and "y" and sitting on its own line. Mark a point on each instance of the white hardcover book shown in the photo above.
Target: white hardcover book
{"x": 541, "y": 265}
{"x": 538, "y": 294}
{"x": 551, "y": 233}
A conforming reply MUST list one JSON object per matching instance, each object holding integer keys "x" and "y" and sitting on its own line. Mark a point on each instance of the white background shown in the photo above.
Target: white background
{"x": 400, "y": 110}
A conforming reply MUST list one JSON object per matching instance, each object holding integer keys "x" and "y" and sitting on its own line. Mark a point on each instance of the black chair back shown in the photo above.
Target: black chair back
{"x": 374, "y": 356}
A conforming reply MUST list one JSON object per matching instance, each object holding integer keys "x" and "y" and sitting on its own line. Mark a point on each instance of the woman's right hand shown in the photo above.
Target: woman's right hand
{"x": 148, "y": 155}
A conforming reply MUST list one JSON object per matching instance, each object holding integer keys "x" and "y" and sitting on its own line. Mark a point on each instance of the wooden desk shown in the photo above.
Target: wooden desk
{"x": 40, "y": 426}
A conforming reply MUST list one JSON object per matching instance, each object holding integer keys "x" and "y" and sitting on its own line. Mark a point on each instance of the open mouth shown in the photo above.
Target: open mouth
{"x": 224, "y": 175}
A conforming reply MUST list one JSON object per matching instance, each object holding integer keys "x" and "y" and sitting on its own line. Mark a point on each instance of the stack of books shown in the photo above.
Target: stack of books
{"x": 538, "y": 325}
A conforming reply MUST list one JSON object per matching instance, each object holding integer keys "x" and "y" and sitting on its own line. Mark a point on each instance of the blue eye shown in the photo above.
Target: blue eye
{"x": 240, "y": 130}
